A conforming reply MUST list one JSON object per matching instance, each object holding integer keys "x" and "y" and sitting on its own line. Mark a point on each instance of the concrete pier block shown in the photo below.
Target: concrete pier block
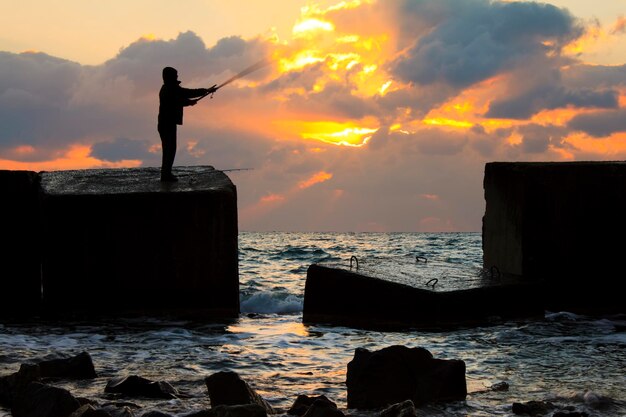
{"x": 20, "y": 278}
{"x": 119, "y": 239}
{"x": 562, "y": 224}
{"x": 391, "y": 294}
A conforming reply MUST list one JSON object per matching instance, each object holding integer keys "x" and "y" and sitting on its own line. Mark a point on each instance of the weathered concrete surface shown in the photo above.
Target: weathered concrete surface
{"x": 368, "y": 299}
{"x": 119, "y": 239}
{"x": 560, "y": 223}
{"x": 20, "y": 280}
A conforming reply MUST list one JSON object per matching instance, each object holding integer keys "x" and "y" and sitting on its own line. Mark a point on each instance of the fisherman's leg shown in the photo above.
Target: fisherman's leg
{"x": 168, "y": 144}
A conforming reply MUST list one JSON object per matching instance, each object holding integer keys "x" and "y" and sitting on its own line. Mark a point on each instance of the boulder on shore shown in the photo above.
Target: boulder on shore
{"x": 244, "y": 410}
{"x": 398, "y": 373}
{"x": 40, "y": 400}
{"x": 227, "y": 388}
{"x": 319, "y": 406}
{"x": 12, "y": 385}
{"x": 75, "y": 367}
{"x": 137, "y": 386}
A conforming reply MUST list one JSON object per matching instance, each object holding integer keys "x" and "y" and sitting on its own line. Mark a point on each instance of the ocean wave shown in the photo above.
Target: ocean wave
{"x": 271, "y": 303}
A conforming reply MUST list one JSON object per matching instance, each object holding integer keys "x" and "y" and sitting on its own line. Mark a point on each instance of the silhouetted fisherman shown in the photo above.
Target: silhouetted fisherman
{"x": 172, "y": 99}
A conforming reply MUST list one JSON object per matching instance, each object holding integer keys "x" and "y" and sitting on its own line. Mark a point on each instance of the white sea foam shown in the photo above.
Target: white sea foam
{"x": 270, "y": 303}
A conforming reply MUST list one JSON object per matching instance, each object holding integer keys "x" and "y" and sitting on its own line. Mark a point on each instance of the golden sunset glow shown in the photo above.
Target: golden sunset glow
{"x": 343, "y": 134}
{"x": 310, "y": 25}
{"x": 440, "y": 121}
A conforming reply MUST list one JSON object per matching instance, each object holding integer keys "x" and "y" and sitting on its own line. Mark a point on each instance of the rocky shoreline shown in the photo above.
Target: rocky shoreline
{"x": 392, "y": 382}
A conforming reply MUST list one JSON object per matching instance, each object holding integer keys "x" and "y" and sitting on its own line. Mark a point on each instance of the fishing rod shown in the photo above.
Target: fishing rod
{"x": 261, "y": 64}
{"x": 235, "y": 169}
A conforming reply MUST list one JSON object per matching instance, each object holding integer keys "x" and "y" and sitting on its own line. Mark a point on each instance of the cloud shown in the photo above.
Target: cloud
{"x": 48, "y": 102}
{"x": 600, "y": 124}
{"x": 316, "y": 178}
{"x": 548, "y": 97}
{"x": 619, "y": 26}
{"x": 473, "y": 40}
{"x": 595, "y": 76}
{"x": 121, "y": 149}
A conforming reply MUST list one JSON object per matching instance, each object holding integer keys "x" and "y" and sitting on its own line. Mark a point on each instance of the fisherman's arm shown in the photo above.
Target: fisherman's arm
{"x": 190, "y": 93}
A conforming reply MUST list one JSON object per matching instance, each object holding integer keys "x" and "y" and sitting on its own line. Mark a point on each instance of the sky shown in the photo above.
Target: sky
{"x": 371, "y": 116}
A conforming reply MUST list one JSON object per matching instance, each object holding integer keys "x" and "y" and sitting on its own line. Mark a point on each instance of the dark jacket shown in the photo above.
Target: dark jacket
{"x": 172, "y": 99}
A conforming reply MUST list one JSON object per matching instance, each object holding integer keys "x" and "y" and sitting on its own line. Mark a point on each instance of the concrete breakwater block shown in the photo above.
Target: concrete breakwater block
{"x": 562, "y": 224}
{"x": 119, "y": 239}
{"x": 20, "y": 271}
{"x": 406, "y": 292}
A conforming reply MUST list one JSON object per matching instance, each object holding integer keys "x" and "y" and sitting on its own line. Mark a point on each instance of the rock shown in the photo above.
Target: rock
{"x": 85, "y": 410}
{"x": 136, "y": 386}
{"x": 11, "y": 385}
{"x": 319, "y": 406}
{"x": 117, "y": 411}
{"x": 40, "y": 400}
{"x": 398, "y": 373}
{"x": 570, "y": 414}
{"x": 499, "y": 386}
{"x": 245, "y": 410}
{"x": 89, "y": 410}
{"x": 323, "y": 407}
{"x": 533, "y": 408}
{"x": 403, "y": 409}
{"x": 75, "y": 367}
{"x": 155, "y": 413}
{"x": 303, "y": 402}
{"x": 227, "y": 388}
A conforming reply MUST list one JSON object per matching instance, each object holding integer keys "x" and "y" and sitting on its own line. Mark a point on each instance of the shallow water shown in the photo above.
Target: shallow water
{"x": 565, "y": 358}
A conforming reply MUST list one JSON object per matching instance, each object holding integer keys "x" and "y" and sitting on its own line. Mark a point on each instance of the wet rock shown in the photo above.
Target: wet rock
{"x": 398, "y": 373}
{"x": 403, "y": 409}
{"x": 155, "y": 413}
{"x": 40, "y": 400}
{"x": 84, "y": 410}
{"x": 117, "y": 411}
{"x": 319, "y": 406}
{"x": 533, "y": 408}
{"x": 570, "y": 414}
{"x": 302, "y": 404}
{"x": 11, "y": 385}
{"x": 136, "y": 386}
{"x": 499, "y": 386}
{"x": 323, "y": 407}
{"x": 75, "y": 367}
{"x": 227, "y": 388}
{"x": 244, "y": 410}
{"x": 109, "y": 411}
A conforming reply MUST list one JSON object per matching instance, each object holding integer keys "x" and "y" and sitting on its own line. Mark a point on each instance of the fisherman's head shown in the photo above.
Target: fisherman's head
{"x": 170, "y": 75}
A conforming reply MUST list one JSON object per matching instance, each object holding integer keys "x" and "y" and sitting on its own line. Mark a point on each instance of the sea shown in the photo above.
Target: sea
{"x": 576, "y": 362}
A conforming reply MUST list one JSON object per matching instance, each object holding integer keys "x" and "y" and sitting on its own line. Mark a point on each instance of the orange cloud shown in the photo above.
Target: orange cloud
{"x": 619, "y": 26}
{"x": 76, "y": 157}
{"x": 317, "y": 178}
{"x": 272, "y": 198}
